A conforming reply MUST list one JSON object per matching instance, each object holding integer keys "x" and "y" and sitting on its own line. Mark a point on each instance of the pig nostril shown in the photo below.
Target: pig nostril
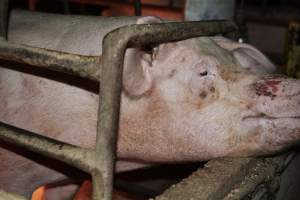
{"x": 203, "y": 73}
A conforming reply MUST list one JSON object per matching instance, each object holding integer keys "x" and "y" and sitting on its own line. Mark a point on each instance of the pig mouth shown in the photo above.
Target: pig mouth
{"x": 267, "y": 117}
{"x": 266, "y": 120}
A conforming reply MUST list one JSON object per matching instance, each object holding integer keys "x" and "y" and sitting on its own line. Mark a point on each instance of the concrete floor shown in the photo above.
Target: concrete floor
{"x": 290, "y": 180}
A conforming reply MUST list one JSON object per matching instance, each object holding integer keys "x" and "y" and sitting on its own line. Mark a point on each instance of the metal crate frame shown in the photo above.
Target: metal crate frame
{"x": 98, "y": 162}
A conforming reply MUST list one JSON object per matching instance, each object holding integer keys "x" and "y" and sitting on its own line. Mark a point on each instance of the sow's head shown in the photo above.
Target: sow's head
{"x": 208, "y": 97}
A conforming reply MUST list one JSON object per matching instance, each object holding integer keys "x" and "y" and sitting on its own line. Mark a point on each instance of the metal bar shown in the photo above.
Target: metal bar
{"x": 3, "y": 18}
{"x": 83, "y": 66}
{"x": 70, "y": 154}
{"x": 9, "y": 196}
{"x": 114, "y": 46}
{"x": 229, "y": 178}
{"x": 137, "y": 8}
{"x": 66, "y": 7}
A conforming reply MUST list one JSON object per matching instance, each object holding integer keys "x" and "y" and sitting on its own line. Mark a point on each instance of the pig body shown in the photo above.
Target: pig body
{"x": 185, "y": 101}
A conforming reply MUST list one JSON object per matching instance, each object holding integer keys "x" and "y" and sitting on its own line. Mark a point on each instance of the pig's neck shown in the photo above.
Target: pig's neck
{"x": 140, "y": 122}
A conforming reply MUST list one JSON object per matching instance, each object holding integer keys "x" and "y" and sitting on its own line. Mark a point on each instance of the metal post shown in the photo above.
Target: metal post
{"x": 138, "y": 8}
{"x": 3, "y": 18}
{"x": 66, "y": 7}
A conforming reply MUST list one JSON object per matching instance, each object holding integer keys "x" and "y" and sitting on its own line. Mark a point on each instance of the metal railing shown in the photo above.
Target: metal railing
{"x": 98, "y": 162}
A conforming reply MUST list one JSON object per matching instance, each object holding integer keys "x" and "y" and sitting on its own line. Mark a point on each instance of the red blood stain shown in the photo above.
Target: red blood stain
{"x": 273, "y": 84}
{"x": 263, "y": 88}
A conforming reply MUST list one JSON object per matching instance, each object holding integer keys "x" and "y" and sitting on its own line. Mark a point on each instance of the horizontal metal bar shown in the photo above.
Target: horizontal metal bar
{"x": 228, "y": 178}
{"x": 83, "y": 66}
{"x": 70, "y": 154}
{"x": 10, "y": 196}
{"x": 173, "y": 31}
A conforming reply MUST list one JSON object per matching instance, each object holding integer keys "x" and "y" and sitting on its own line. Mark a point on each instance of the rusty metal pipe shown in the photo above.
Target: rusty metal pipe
{"x": 83, "y": 66}
{"x": 9, "y": 196}
{"x": 70, "y": 154}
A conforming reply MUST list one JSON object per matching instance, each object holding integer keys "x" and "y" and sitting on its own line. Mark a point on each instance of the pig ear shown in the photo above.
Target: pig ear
{"x": 248, "y": 56}
{"x": 252, "y": 59}
{"x": 148, "y": 20}
{"x": 137, "y": 79}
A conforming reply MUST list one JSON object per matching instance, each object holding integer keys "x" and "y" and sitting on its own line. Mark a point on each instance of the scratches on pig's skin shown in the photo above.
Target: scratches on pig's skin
{"x": 267, "y": 88}
{"x": 228, "y": 75}
{"x": 203, "y": 94}
{"x": 30, "y": 87}
{"x": 239, "y": 144}
{"x": 172, "y": 73}
{"x": 273, "y": 84}
{"x": 278, "y": 141}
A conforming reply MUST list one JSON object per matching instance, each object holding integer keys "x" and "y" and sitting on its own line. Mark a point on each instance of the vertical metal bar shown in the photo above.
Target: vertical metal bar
{"x": 108, "y": 115}
{"x": 3, "y": 18}
{"x": 138, "y": 8}
{"x": 66, "y": 7}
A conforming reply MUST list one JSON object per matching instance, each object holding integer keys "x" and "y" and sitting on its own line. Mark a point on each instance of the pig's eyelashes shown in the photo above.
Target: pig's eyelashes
{"x": 148, "y": 59}
{"x": 205, "y": 73}
{"x": 154, "y": 53}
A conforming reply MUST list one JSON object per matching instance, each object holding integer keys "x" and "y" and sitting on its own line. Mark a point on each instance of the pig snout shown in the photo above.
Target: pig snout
{"x": 277, "y": 97}
{"x": 275, "y": 114}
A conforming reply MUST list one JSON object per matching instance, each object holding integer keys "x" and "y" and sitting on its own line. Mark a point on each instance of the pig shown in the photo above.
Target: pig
{"x": 191, "y": 100}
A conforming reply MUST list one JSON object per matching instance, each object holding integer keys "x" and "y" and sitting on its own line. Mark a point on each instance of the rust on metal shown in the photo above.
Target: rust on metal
{"x": 83, "y": 66}
{"x": 67, "y": 153}
{"x": 229, "y": 179}
{"x": 9, "y": 196}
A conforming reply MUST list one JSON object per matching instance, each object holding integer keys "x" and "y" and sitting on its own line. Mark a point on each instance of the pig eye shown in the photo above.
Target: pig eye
{"x": 203, "y": 73}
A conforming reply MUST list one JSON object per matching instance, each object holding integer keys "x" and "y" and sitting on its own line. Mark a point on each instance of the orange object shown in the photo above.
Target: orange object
{"x": 85, "y": 191}
{"x": 39, "y": 194}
